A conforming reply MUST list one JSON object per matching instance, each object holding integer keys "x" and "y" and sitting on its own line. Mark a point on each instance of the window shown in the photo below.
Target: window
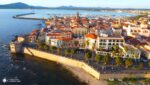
{"x": 102, "y": 40}
{"x": 146, "y": 31}
{"x": 104, "y": 43}
{"x": 139, "y": 31}
{"x": 121, "y": 40}
{"x": 109, "y": 44}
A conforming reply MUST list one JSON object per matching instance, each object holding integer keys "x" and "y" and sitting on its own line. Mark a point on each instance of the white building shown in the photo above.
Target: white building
{"x": 108, "y": 42}
{"x": 131, "y": 52}
{"x": 107, "y": 38}
{"x": 134, "y": 30}
{"x": 90, "y": 40}
{"x": 145, "y": 51}
{"x": 57, "y": 37}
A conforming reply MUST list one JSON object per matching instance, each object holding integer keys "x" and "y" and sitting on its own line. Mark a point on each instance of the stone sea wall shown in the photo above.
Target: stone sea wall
{"x": 62, "y": 60}
{"x": 80, "y": 64}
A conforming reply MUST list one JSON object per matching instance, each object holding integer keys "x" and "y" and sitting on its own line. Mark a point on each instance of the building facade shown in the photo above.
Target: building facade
{"x": 134, "y": 30}
{"x": 108, "y": 42}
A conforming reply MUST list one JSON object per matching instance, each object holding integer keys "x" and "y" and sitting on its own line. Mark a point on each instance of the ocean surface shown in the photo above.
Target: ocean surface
{"x": 90, "y": 14}
{"x": 23, "y": 69}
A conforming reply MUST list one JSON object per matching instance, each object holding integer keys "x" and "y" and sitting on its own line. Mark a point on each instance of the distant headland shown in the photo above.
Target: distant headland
{"x": 20, "y": 5}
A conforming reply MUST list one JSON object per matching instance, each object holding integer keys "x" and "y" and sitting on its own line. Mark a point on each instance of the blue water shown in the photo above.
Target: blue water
{"x": 23, "y": 69}
{"x": 10, "y": 26}
{"x": 48, "y": 13}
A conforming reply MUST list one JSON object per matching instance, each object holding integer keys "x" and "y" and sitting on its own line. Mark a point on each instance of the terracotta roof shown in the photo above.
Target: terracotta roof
{"x": 126, "y": 25}
{"x": 134, "y": 41}
{"x": 90, "y": 35}
{"x": 34, "y": 31}
{"x": 44, "y": 29}
{"x": 32, "y": 34}
{"x": 55, "y": 34}
{"x": 65, "y": 39}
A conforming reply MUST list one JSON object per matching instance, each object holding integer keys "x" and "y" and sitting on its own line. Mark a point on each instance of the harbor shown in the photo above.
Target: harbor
{"x": 36, "y": 15}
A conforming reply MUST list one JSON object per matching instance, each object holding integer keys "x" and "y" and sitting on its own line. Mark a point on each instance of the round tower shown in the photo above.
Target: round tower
{"x": 15, "y": 47}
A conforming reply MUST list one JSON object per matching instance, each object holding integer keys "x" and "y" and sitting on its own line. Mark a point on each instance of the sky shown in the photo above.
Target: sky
{"x": 85, "y": 3}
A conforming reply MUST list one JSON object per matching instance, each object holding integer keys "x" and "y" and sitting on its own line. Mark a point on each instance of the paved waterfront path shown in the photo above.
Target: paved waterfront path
{"x": 84, "y": 76}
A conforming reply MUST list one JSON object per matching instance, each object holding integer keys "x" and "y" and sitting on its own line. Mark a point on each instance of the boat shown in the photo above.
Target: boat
{"x": 14, "y": 16}
{"x": 119, "y": 11}
{"x": 5, "y": 46}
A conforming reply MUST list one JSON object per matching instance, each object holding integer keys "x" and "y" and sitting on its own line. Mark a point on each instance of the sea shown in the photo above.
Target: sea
{"x": 25, "y": 69}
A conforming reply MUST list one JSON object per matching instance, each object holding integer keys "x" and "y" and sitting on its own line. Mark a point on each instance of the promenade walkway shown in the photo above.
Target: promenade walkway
{"x": 84, "y": 76}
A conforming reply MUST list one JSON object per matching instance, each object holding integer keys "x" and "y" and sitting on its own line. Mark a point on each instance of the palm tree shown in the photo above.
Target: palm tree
{"x": 137, "y": 46}
{"x": 97, "y": 58}
{"x": 87, "y": 43}
{"x": 136, "y": 55}
{"x": 72, "y": 52}
{"x": 40, "y": 44}
{"x": 106, "y": 58}
{"x": 148, "y": 63}
{"x": 131, "y": 50}
{"x": 93, "y": 47}
{"x": 120, "y": 51}
{"x": 62, "y": 45}
{"x": 53, "y": 48}
{"x": 46, "y": 47}
{"x": 128, "y": 63}
{"x": 58, "y": 50}
{"x": 100, "y": 48}
{"x": 76, "y": 43}
{"x": 115, "y": 48}
{"x": 118, "y": 61}
{"x": 126, "y": 48}
{"x": 66, "y": 52}
{"x": 113, "y": 53}
{"x": 141, "y": 65}
{"x": 88, "y": 56}
{"x": 84, "y": 44}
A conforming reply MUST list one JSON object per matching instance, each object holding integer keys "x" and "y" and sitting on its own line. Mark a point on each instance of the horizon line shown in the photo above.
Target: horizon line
{"x": 78, "y": 6}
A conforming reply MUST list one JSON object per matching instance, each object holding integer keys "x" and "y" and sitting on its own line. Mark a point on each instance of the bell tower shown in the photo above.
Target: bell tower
{"x": 78, "y": 15}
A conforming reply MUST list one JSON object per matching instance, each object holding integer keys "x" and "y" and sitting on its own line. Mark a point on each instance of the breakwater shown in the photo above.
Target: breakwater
{"x": 82, "y": 65}
{"x": 21, "y": 16}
